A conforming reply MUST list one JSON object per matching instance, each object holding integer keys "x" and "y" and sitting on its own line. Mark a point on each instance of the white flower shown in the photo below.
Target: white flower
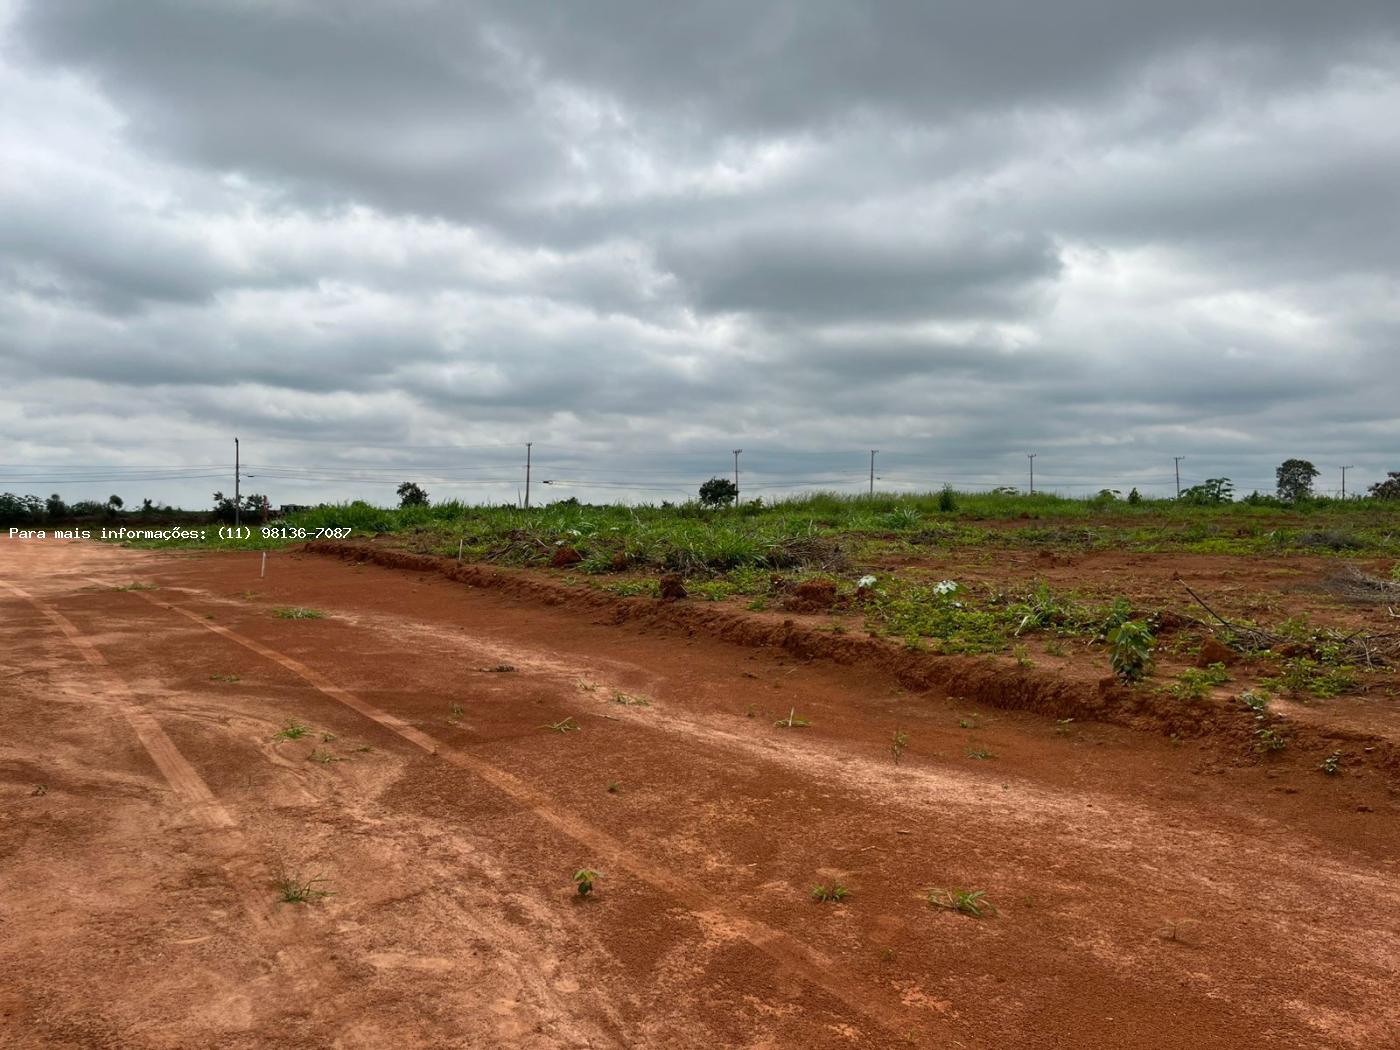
{"x": 945, "y": 587}
{"x": 865, "y": 581}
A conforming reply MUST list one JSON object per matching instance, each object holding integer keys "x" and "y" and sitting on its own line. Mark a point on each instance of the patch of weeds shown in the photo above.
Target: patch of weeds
{"x": 293, "y": 889}
{"x": 757, "y": 605}
{"x": 584, "y": 879}
{"x": 291, "y": 731}
{"x": 965, "y": 902}
{"x": 454, "y": 713}
{"x": 713, "y": 590}
{"x": 1022, "y": 656}
{"x": 968, "y": 722}
{"x": 979, "y": 753}
{"x": 296, "y": 612}
{"x": 834, "y": 893}
{"x": 1064, "y": 726}
{"x": 1303, "y": 676}
{"x": 223, "y": 678}
{"x": 499, "y": 669}
{"x": 614, "y": 787}
{"x": 1055, "y": 647}
{"x": 1270, "y": 739}
{"x": 324, "y": 757}
{"x": 1332, "y": 764}
{"x": 1130, "y": 650}
{"x": 1195, "y": 683}
{"x": 135, "y": 587}
{"x": 792, "y": 721}
{"x": 898, "y": 744}
{"x": 585, "y": 686}
{"x": 565, "y": 725}
{"x": 628, "y": 700}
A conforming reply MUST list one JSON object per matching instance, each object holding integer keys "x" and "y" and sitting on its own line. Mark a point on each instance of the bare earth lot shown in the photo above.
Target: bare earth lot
{"x": 1149, "y": 893}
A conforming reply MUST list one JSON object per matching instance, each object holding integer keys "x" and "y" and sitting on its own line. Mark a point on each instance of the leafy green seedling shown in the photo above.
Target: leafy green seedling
{"x": 584, "y": 879}
{"x": 966, "y": 902}
{"x": 979, "y": 752}
{"x": 1332, "y": 764}
{"x": 628, "y": 700}
{"x": 324, "y": 757}
{"x": 898, "y": 744}
{"x": 835, "y": 893}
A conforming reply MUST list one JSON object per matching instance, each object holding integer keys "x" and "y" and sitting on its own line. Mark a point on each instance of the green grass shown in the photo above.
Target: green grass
{"x": 291, "y": 731}
{"x": 835, "y": 893}
{"x": 965, "y": 902}
{"x": 297, "y": 613}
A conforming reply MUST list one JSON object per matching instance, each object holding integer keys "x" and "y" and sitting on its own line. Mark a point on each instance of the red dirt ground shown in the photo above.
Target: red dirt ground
{"x": 1150, "y": 894}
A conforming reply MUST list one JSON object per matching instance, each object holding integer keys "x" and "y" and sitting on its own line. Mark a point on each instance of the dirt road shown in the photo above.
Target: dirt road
{"x": 1147, "y": 894}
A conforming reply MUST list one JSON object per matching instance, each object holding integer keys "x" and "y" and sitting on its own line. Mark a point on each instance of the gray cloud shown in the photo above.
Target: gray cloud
{"x": 636, "y": 233}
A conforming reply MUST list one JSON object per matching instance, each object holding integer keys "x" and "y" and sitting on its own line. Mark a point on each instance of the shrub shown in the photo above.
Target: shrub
{"x": 411, "y": 494}
{"x": 1130, "y": 650}
{"x": 718, "y": 492}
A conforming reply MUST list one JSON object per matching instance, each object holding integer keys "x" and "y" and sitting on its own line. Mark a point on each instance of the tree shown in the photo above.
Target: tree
{"x": 1295, "y": 479}
{"x": 224, "y": 507}
{"x": 1135, "y": 497}
{"x": 114, "y": 504}
{"x": 1209, "y": 492}
{"x": 57, "y": 509}
{"x": 411, "y": 494}
{"x": 1389, "y": 488}
{"x": 718, "y": 492}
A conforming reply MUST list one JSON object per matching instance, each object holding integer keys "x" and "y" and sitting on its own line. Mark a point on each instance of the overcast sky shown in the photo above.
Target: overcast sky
{"x": 644, "y": 234}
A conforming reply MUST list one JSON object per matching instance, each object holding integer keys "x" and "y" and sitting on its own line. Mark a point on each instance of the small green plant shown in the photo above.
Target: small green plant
{"x": 979, "y": 753}
{"x": 628, "y": 700}
{"x": 834, "y": 893}
{"x": 326, "y": 738}
{"x": 293, "y": 889}
{"x": 1022, "y": 656}
{"x": 1303, "y": 676}
{"x": 614, "y": 787}
{"x": 898, "y": 744}
{"x": 1255, "y": 700}
{"x": 454, "y": 712}
{"x": 223, "y": 678}
{"x": 1196, "y": 684}
{"x": 565, "y": 725}
{"x": 968, "y": 722}
{"x": 965, "y": 902}
{"x": 1130, "y": 650}
{"x": 792, "y": 721}
{"x": 291, "y": 731}
{"x": 1332, "y": 764}
{"x": 1064, "y": 726}
{"x": 584, "y": 879}
{"x": 324, "y": 757}
{"x": 1270, "y": 739}
{"x": 297, "y": 613}
{"x": 1055, "y": 647}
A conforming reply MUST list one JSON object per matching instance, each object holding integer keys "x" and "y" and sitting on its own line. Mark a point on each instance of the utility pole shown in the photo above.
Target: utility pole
{"x": 527, "y": 474}
{"x": 872, "y": 471}
{"x": 1031, "y": 456}
{"x": 1348, "y": 467}
{"x": 236, "y": 481}
{"x": 1177, "y": 460}
{"x": 736, "y": 476}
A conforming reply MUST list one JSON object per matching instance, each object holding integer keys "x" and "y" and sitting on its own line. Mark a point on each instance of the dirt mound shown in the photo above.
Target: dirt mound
{"x": 1214, "y": 652}
{"x": 811, "y": 596}
{"x": 672, "y": 587}
{"x": 564, "y": 557}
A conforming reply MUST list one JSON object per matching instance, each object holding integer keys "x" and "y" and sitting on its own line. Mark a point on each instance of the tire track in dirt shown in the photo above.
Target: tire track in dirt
{"x": 801, "y": 959}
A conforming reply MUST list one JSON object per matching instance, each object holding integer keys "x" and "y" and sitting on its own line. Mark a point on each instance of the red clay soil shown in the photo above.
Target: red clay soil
{"x": 1149, "y": 893}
